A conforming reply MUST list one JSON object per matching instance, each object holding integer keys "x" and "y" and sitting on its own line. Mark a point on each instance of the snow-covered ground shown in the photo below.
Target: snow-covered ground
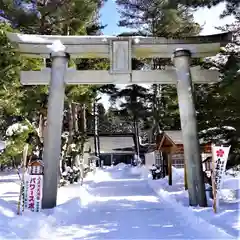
{"x": 119, "y": 202}
{"x": 227, "y": 217}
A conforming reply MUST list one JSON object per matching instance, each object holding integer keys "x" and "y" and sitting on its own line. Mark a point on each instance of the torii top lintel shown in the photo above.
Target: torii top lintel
{"x": 100, "y": 46}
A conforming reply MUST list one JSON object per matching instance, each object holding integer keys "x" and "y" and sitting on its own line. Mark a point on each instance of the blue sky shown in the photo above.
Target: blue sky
{"x": 209, "y": 18}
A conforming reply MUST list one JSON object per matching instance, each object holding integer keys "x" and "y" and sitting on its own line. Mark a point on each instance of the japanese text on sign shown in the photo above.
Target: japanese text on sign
{"x": 219, "y": 157}
{"x": 33, "y": 193}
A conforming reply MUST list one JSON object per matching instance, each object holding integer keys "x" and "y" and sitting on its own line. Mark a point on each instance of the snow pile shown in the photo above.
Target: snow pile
{"x": 102, "y": 175}
{"x": 193, "y": 221}
{"x": 81, "y": 195}
{"x": 235, "y": 171}
{"x": 136, "y": 170}
{"x": 13, "y": 226}
{"x": 120, "y": 166}
{"x": 90, "y": 176}
{"x": 140, "y": 171}
{"x": 227, "y": 217}
{"x": 72, "y": 199}
{"x": 230, "y": 189}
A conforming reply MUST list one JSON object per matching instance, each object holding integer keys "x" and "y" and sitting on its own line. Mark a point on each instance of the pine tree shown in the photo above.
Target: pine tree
{"x": 132, "y": 107}
{"x": 12, "y": 95}
{"x": 51, "y": 17}
{"x": 232, "y": 6}
{"x": 218, "y": 104}
{"x": 159, "y": 19}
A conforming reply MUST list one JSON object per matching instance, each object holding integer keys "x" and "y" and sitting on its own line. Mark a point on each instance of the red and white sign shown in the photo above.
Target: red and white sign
{"x": 33, "y": 192}
{"x": 219, "y": 157}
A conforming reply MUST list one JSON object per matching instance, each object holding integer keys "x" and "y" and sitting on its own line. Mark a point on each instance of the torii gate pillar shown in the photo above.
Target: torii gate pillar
{"x": 52, "y": 141}
{"x": 181, "y": 59}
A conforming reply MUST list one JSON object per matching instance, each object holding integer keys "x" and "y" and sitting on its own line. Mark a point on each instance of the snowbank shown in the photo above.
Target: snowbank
{"x": 13, "y": 226}
{"x": 111, "y": 173}
{"x": 71, "y": 200}
{"x": 194, "y": 221}
{"x": 226, "y": 220}
{"x": 140, "y": 171}
{"x": 102, "y": 175}
{"x": 120, "y": 166}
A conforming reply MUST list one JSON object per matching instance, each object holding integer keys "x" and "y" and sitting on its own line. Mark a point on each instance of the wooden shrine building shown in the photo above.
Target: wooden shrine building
{"x": 172, "y": 142}
{"x": 168, "y": 151}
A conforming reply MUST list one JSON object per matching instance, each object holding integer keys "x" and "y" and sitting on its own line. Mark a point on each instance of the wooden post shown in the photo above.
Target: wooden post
{"x": 21, "y": 197}
{"x": 185, "y": 176}
{"x": 170, "y": 168}
{"x": 214, "y": 191}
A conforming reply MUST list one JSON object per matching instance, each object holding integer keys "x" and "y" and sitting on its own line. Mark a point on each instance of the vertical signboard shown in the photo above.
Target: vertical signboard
{"x": 33, "y": 192}
{"x": 219, "y": 162}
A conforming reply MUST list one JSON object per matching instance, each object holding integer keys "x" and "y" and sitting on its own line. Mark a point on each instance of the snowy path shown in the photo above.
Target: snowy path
{"x": 123, "y": 206}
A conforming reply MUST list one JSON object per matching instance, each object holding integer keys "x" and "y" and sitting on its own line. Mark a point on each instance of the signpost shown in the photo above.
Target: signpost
{"x": 31, "y": 187}
{"x": 120, "y": 51}
{"x": 22, "y": 187}
{"x": 219, "y": 162}
{"x": 33, "y": 192}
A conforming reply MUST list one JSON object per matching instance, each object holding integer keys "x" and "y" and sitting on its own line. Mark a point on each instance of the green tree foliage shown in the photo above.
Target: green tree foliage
{"x": 45, "y": 17}
{"x": 218, "y": 105}
{"x": 50, "y": 17}
{"x": 159, "y": 19}
{"x": 132, "y": 106}
{"x": 232, "y": 6}
{"x": 17, "y": 135}
{"x": 228, "y": 60}
{"x": 12, "y": 95}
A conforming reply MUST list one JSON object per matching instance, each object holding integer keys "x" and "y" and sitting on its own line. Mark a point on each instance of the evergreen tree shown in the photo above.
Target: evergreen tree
{"x": 132, "y": 107}
{"x": 13, "y": 107}
{"x": 159, "y": 19}
{"x": 52, "y": 17}
{"x": 218, "y": 104}
{"x": 232, "y": 6}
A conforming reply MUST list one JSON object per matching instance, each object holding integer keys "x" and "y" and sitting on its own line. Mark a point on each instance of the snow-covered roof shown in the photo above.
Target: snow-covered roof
{"x": 176, "y": 136}
{"x": 108, "y": 144}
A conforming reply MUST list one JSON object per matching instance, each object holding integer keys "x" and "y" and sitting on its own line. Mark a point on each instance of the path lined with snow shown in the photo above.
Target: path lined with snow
{"x": 123, "y": 206}
{"x": 116, "y": 203}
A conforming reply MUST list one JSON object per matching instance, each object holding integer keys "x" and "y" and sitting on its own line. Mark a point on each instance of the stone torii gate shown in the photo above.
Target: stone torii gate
{"x": 120, "y": 50}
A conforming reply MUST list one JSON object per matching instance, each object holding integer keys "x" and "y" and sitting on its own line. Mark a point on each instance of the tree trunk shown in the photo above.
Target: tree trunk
{"x": 83, "y": 129}
{"x": 157, "y": 104}
{"x": 41, "y": 128}
{"x": 136, "y": 133}
{"x": 75, "y": 116}
{"x": 76, "y": 156}
{"x": 70, "y": 136}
